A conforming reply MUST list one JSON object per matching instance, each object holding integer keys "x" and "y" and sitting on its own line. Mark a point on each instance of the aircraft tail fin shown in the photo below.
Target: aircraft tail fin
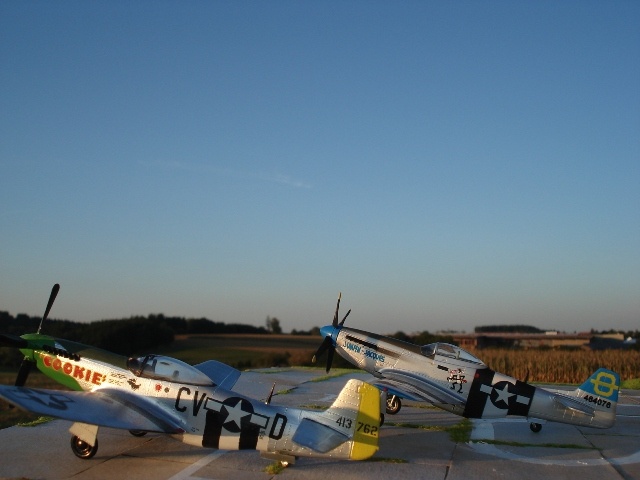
{"x": 600, "y": 391}
{"x": 592, "y": 404}
{"x": 352, "y": 420}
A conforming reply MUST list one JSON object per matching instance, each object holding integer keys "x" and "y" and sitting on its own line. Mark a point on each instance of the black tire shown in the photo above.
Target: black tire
{"x": 82, "y": 449}
{"x": 381, "y": 419}
{"x": 138, "y": 433}
{"x": 393, "y": 404}
{"x": 535, "y": 427}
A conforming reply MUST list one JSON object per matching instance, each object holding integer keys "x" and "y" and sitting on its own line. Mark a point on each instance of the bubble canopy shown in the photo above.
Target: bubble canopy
{"x": 450, "y": 351}
{"x": 159, "y": 367}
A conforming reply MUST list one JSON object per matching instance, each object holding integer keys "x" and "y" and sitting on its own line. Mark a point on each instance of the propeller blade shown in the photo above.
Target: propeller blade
{"x": 326, "y": 343}
{"x": 345, "y": 317}
{"x": 335, "y": 316}
{"x": 23, "y": 373}
{"x": 52, "y": 298}
{"x": 15, "y": 341}
{"x": 332, "y": 350}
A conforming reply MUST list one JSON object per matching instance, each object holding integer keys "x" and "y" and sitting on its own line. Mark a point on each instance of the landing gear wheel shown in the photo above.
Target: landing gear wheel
{"x": 393, "y": 404}
{"x": 381, "y": 419}
{"x": 535, "y": 427}
{"x": 138, "y": 433}
{"x": 82, "y": 449}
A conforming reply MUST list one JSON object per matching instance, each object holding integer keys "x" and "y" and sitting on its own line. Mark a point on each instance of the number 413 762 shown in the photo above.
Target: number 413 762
{"x": 367, "y": 429}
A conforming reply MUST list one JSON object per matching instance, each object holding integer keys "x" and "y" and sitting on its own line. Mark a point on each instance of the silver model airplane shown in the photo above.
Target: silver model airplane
{"x": 455, "y": 380}
{"x": 194, "y": 404}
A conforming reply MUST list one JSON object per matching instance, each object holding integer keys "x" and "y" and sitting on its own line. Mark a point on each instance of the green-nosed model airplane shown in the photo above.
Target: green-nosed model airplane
{"x": 194, "y": 404}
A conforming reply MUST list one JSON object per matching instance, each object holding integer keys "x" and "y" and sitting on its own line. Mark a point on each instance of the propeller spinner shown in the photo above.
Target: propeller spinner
{"x": 327, "y": 332}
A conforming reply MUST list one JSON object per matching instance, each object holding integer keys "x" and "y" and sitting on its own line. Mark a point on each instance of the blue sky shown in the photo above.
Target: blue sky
{"x": 444, "y": 165}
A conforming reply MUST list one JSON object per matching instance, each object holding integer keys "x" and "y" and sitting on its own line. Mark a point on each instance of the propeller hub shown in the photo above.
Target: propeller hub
{"x": 328, "y": 331}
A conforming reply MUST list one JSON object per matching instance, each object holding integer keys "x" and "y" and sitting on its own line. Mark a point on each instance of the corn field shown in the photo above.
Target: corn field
{"x": 560, "y": 366}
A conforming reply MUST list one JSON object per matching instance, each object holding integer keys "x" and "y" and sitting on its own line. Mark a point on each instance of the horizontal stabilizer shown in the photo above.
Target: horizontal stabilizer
{"x": 317, "y": 436}
{"x": 221, "y": 374}
{"x": 575, "y": 405}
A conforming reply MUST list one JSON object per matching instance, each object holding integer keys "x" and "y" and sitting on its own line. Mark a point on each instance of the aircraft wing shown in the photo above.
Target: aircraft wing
{"x": 105, "y": 407}
{"x": 417, "y": 388}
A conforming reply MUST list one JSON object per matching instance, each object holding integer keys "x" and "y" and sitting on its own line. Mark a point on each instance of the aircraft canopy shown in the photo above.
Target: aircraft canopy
{"x": 159, "y": 367}
{"x": 450, "y": 351}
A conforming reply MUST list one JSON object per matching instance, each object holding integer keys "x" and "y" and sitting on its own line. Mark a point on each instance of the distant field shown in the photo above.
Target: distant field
{"x": 244, "y": 350}
{"x": 561, "y": 366}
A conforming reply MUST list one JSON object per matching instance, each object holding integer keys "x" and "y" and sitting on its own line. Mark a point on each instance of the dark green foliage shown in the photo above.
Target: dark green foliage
{"x": 315, "y": 331}
{"x": 126, "y": 337}
{"x": 273, "y": 325}
{"x": 10, "y": 357}
{"x": 238, "y": 328}
{"x": 400, "y": 335}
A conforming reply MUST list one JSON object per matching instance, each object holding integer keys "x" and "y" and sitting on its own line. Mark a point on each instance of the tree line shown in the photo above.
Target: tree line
{"x": 125, "y": 336}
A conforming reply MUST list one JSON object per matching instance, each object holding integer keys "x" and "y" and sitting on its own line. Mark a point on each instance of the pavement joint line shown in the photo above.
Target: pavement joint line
{"x": 194, "y": 467}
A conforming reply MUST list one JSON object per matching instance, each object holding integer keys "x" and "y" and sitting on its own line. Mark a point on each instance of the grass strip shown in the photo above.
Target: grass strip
{"x": 274, "y": 468}
{"x": 459, "y": 433}
{"x": 387, "y": 460}
{"x": 339, "y": 373}
{"x": 36, "y": 422}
